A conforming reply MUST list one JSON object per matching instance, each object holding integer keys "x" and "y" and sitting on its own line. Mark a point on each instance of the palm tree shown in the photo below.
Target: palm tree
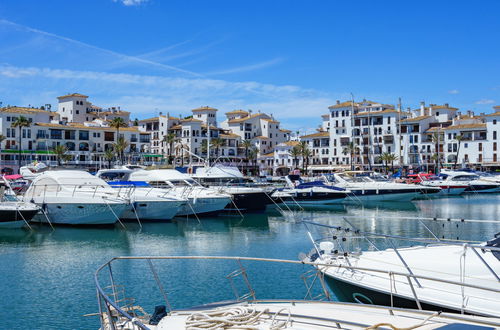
{"x": 392, "y": 158}
{"x": 296, "y": 153}
{"x": 306, "y": 154}
{"x": 252, "y": 156}
{"x": 435, "y": 139}
{"x": 351, "y": 149}
{"x": 169, "y": 139}
{"x": 120, "y": 146}
{"x": 247, "y": 144}
{"x": 117, "y": 123}
{"x": 217, "y": 143}
{"x": 459, "y": 139}
{"x": 21, "y": 122}
{"x": 61, "y": 153}
{"x": 109, "y": 155}
{"x": 387, "y": 158}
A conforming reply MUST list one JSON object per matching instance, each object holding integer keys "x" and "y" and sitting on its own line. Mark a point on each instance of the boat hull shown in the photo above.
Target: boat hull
{"x": 384, "y": 196}
{"x": 81, "y": 213}
{"x": 204, "y": 206}
{"x": 348, "y": 292}
{"x": 152, "y": 210}
{"x": 256, "y": 201}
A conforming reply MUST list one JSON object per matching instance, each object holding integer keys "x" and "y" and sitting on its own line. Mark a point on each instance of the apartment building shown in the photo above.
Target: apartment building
{"x": 280, "y": 162}
{"x": 85, "y": 140}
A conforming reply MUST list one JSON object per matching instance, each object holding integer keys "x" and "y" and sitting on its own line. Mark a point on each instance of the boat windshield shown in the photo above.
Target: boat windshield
{"x": 349, "y": 178}
{"x": 465, "y": 177}
{"x": 430, "y": 178}
{"x": 183, "y": 183}
{"x": 221, "y": 181}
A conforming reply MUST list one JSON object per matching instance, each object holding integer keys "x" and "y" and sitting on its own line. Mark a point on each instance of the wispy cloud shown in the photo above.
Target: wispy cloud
{"x": 131, "y": 2}
{"x": 246, "y": 68}
{"x": 142, "y": 94}
{"x": 454, "y": 91}
{"x": 118, "y": 55}
{"x": 485, "y": 101}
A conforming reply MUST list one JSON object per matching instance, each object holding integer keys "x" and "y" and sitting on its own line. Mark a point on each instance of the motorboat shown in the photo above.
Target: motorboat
{"x": 476, "y": 183}
{"x": 201, "y": 200}
{"x": 467, "y": 273}
{"x": 447, "y": 185}
{"x": 249, "y": 307}
{"x": 72, "y": 197}
{"x": 314, "y": 193}
{"x": 246, "y": 196}
{"x": 14, "y": 213}
{"x": 147, "y": 203}
{"x": 368, "y": 186}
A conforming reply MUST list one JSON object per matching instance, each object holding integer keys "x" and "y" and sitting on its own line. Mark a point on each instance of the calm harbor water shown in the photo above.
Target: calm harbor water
{"x": 47, "y": 276}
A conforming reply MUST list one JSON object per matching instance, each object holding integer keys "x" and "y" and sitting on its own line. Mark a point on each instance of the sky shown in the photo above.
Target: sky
{"x": 291, "y": 59}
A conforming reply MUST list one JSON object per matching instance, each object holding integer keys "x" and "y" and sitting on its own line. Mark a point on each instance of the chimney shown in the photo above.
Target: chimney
{"x": 470, "y": 113}
{"x": 430, "y": 110}
{"x": 161, "y": 113}
{"x": 338, "y": 102}
{"x": 446, "y": 105}
{"x": 422, "y": 108}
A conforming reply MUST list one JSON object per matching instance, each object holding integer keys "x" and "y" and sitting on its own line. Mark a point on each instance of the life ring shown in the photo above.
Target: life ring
{"x": 190, "y": 170}
{"x": 356, "y": 296}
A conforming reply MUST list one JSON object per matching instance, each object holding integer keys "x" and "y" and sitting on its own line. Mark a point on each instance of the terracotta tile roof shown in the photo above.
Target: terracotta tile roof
{"x": 176, "y": 127}
{"x": 204, "y": 108}
{"x": 149, "y": 119}
{"x": 271, "y": 154}
{"x": 319, "y": 134}
{"x": 270, "y": 120}
{"x": 120, "y": 112}
{"x": 191, "y": 120}
{"x": 260, "y": 137}
{"x": 82, "y": 126}
{"x": 72, "y": 95}
{"x": 291, "y": 143}
{"x": 414, "y": 119}
{"x": 240, "y": 120}
{"x": 435, "y": 106}
{"x": 466, "y": 126}
{"x": 494, "y": 113}
{"x": 230, "y": 136}
{"x": 285, "y": 130}
{"x": 237, "y": 112}
{"x": 374, "y": 113}
{"x": 24, "y": 110}
{"x": 343, "y": 105}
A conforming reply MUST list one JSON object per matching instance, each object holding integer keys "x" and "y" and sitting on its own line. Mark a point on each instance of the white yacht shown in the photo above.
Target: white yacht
{"x": 14, "y": 213}
{"x": 476, "y": 184}
{"x": 74, "y": 198}
{"x": 228, "y": 179}
{"x": 366, "y": 186}
{"x": 315, "y": 193}
{"x": 468, "y": 274}
{"x": 147, "y": 203}
{"x": 201, "y": 200}
{"x": 250, "y": 308}
{"x": 448, "y": 185}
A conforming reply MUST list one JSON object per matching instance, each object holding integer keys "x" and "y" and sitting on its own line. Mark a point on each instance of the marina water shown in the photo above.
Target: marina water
{"x": 47, "y": 276}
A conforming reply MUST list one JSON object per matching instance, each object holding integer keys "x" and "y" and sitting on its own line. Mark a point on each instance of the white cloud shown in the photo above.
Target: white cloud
{"x": 454, "y": 91}
{"x": 245, "y": 68}
{"x": 131, "y": 2}
{"x": 485, "y": 101}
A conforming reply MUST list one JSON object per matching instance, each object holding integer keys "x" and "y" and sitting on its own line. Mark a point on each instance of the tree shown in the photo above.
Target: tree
{"x": 435, "y": 139}
{"x": 306, "y": 153}
{"x": 351, "y": 149}
{"x": 21, "y": 122}
{"x": 109, "y": 155}
{"x": 169, "y": 139}
{"x": 252, "y": 156}
{"x": 296, "y": 153}
{"x": 387, "y": 158}
{"x": 459, "y": 139}
{"x": 117, "y": 123}
{"x": 247, "y": 144}
{"x": 217, "y": 143}
{"x": 120, "y": 146}
{"x": 61, "y": 153}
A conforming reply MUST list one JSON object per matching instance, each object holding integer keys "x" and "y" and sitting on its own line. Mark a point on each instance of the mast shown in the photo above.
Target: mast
{"x": 399, "y": 132}
{"x": 208, "y": 142}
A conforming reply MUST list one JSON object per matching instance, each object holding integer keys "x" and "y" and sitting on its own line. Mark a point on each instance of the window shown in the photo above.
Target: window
{"x": 437, "y": 113}
{"x": 494, "y": 146}
{"x": 8, "y": 118}
{"x": 466, "y": 145}
{"x": 494, "y": 121}
{"x": 494, "y": 135}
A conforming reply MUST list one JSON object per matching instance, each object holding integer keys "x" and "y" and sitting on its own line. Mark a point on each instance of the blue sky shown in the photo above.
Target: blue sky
{"x": 289, "y": 58}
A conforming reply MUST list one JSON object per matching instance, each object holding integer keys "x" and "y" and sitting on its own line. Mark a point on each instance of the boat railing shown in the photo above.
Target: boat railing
{"x": 117, "y": 311}
{"x": 75, "y": 189}
{"x": 341, "y": 234}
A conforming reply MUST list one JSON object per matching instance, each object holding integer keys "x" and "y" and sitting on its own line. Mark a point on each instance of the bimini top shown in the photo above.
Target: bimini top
{"x": 68, "y": 177}
{"x": 218, "y": 171}
{"x": 158, "y": 175}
